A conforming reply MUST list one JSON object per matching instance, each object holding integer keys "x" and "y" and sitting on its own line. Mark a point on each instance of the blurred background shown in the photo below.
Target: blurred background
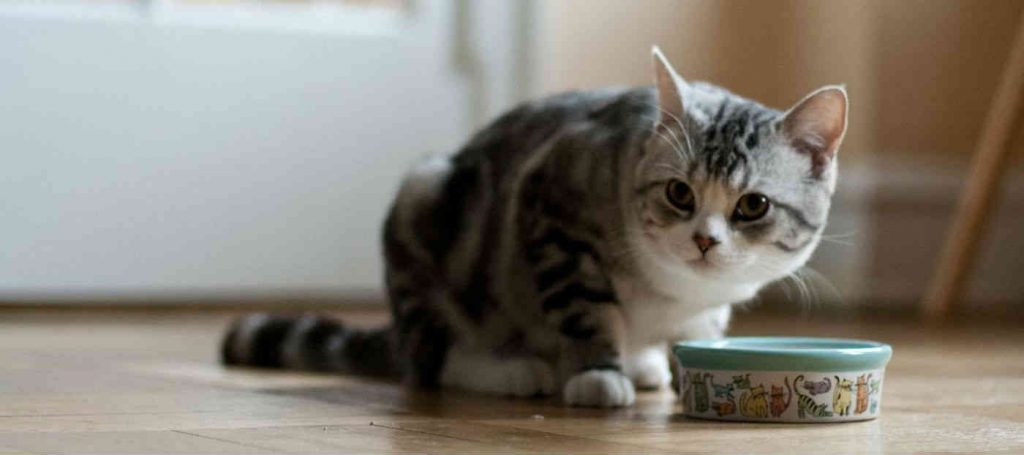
{"x": 205, "y": 151}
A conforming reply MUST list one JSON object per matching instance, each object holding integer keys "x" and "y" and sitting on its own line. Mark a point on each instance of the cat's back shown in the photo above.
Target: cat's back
{"x": 524, "y": 129}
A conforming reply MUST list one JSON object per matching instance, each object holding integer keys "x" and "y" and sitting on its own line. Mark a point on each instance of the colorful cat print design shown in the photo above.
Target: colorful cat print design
{"x": 805, "y": 405}
{"x": 723, "y": 391}
{"x": 779, "y": 405}
{"x": 842, "y": 396}
{"x": 754, "y": 403}
{"x": 819, "y": 387}
{"x": 724, "y": 408}
{"x": 862, "y": 394}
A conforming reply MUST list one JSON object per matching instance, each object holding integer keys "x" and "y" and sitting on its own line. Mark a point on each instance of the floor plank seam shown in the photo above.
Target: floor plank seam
{"x": 429, "y": 433}
{"x": 242, "y": 444}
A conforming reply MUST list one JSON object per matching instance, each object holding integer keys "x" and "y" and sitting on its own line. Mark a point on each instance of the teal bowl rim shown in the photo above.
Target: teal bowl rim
{"x": 783, "y": 354}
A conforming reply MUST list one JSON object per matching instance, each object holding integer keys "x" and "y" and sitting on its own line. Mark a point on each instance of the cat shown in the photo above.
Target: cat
{"x": 724, "y": 408}
{"x": 842, "y": 396}
{"x": 862, "y": 394}
{"x": 723, "y": 391}
{"x": 687, "y": 395}
{"x": 816, "y": 388}
{"x": 569, "y": 240}
{"x": 805, "y": 405}
{"x": 754, "y": 402}
{"x": 741, "y": 381}
{"x": 700, "y": 391}
{"x": 876, "y": 386}
{"x": 780, "y": 405}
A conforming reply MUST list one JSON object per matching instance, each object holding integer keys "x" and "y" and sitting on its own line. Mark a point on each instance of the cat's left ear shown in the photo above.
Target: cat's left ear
{"x": 816, "y": 125}
{"x": 669, "y": 87}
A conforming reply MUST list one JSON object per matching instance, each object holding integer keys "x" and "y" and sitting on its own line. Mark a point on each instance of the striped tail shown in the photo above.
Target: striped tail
{"x": 308, "y": 342}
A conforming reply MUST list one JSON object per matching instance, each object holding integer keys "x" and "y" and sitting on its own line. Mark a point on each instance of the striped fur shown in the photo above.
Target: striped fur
{"x": 544, "y": 253}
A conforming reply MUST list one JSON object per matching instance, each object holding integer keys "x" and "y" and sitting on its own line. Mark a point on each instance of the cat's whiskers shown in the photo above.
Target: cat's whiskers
{"x": 682, "y": 129}
{"x": 672, "y": 116}
{"x": 806, "y": 282}
{"x": 837, "y": 241}
{"x": 670, "y": 167}
{"x": 788, "y": 284}
{"x": 840, "y": 239}
{"x": 677, "y": 146}
{"x": 833, "y": 296}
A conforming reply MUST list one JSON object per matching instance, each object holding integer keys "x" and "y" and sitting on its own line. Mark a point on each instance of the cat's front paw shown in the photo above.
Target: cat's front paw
{"x": 599, "y": 388}
{"x": 649, "y": 369}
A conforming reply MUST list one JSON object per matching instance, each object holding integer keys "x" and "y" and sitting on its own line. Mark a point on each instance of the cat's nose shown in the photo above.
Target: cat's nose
{"x": 704, "y": 242}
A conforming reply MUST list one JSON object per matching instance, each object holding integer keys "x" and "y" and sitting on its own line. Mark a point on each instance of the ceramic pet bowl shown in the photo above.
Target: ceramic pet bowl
{"x": 782, "y": 379}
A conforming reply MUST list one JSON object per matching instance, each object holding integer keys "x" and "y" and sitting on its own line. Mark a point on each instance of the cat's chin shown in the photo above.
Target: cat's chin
{"x": 706, "y": 268}
{"x": 703, "y": 268}
{"x": 711, "y": 273}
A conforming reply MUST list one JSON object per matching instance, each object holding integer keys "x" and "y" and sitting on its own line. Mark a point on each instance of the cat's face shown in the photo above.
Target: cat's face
{"x": 732, "y": 191}
{"x": 845, "y": 384}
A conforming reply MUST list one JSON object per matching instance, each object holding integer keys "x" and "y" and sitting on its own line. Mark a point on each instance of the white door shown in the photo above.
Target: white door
{"x": 201, "y": 148}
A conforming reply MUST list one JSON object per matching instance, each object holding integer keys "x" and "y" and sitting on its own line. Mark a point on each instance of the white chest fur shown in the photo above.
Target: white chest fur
{"x": 690, "y": 309}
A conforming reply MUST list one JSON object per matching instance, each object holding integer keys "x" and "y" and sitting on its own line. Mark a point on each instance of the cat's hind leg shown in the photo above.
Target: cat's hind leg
{"x": 482, "y": 371}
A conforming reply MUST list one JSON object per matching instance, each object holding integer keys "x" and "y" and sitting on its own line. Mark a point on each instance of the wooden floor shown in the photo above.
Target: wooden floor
{"x": 137, "y": 382}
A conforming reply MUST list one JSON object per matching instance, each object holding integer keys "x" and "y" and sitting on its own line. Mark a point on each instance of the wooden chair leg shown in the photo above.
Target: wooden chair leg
{"x": 977, "y": 200}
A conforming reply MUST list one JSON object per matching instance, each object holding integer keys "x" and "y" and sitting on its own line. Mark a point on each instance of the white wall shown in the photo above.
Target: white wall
{"x": 140, "y": 157}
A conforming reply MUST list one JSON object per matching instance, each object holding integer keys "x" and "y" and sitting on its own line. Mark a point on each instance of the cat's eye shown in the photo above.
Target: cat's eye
{"x": 751, "y": 207}
{"x": 680, "y": 195}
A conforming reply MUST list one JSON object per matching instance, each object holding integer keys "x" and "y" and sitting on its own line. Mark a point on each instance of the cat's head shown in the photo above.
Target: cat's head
{"x": 728, "y": 190}
{"x": 777, "y": 391}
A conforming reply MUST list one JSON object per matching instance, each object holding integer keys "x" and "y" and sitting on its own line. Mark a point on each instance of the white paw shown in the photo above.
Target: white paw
{"x": 528, "y": 377}
{"x": 649, "y": 369}
{"x": 600, "y": 388}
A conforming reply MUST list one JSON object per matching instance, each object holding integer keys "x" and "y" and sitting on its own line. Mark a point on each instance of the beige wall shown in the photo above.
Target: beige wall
{"x": 920, "y": 72}
{"x": 760, "y": 49}
{"x": 938, "y": 64}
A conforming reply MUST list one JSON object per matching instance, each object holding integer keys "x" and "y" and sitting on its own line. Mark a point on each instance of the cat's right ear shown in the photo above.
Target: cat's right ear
{"x": 816, "y": 125}
{"x": 669, "y": 87}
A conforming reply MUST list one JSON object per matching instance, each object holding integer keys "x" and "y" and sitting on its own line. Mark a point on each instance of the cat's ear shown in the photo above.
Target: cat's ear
{"x": 669, "y": 87}
{"x": 816, "y": 125}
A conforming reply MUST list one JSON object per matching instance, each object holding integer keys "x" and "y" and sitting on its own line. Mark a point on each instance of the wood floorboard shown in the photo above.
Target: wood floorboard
{"x": 137, "y": 382}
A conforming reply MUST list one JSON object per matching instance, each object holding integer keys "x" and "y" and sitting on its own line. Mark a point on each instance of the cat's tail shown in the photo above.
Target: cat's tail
{"x": 798, "y": 380}
{"x": 308, "y": 342}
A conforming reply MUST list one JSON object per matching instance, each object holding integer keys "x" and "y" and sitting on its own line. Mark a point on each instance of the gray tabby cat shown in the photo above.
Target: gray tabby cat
{"x": 569, "y": 241}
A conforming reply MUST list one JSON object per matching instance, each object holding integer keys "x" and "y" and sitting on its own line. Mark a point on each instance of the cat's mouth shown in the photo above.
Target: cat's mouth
{"x": 702, "y": 264}
{"x": 708, "y": 266}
